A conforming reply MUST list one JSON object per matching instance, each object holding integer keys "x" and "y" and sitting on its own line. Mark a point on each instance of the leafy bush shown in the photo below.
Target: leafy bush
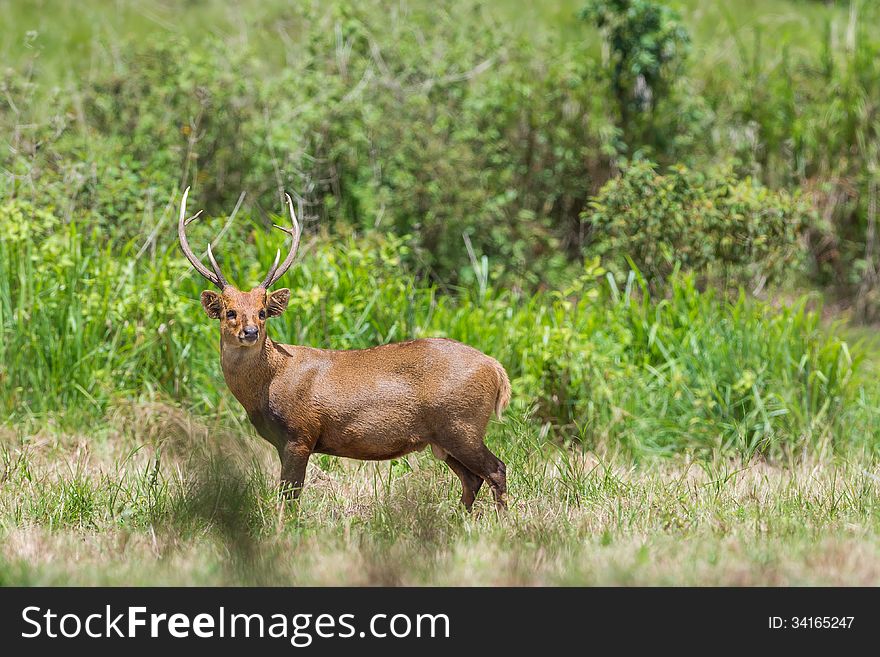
{"x": 178, "y": 115}
{"x": 470, "y": 133}
{"x": 714, "y": 224}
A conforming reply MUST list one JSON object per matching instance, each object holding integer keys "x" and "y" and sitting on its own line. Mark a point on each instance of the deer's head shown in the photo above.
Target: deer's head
{"x": 242, "y": 315}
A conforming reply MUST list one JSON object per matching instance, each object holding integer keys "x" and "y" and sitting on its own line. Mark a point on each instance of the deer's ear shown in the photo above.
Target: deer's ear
{"x": 277, "y": 302}
{"x": 212, "y": 303}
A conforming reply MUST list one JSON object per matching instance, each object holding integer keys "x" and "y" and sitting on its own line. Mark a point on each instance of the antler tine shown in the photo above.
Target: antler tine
{"x": 277, "y": 272}
{"x": 272, "y": 269}
{"x": 194, "y": 217}
{"x": 216, "y": 268}
{"x": 215, "y": 277}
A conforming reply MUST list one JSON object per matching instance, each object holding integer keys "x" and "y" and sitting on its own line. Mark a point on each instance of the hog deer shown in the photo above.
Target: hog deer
{"x": 370, "y": 404}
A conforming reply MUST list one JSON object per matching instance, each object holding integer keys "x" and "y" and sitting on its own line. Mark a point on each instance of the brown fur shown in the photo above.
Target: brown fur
{"x": 371, "y": 404}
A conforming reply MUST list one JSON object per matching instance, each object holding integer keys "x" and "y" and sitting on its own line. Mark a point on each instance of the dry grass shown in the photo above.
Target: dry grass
{"x": 167, "y": 499}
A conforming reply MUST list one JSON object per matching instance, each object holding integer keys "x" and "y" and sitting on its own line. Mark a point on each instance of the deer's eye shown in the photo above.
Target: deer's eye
{"x": 230, "y": 314}
{"x": 262, "y": 314}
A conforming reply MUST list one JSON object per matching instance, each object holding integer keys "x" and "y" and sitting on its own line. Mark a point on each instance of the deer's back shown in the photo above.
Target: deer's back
{"x": 387, "y": 400}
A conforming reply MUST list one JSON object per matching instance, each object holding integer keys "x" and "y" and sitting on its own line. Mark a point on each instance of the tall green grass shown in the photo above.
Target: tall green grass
{"x": 87, "y": 327}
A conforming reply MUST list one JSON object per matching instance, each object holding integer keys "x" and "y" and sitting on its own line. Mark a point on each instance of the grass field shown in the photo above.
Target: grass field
{"x": 688, "y": 434}
{"x": 169, "y": 500}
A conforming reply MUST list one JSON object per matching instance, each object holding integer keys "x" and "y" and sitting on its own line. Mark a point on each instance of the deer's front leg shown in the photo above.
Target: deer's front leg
{"x": 294, "y": 459}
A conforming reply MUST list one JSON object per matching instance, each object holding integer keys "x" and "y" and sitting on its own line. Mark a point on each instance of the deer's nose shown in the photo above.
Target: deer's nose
{"x": 251, "y": 331}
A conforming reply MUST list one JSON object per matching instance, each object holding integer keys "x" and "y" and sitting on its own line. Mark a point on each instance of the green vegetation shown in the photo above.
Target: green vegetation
{"x": 661, "y": 218}
{"x": 647, "y": 46}
{"x": 727, "y": 229}
{"x": 604, "y": 365}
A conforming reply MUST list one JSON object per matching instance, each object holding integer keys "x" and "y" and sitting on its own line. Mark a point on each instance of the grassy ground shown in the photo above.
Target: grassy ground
{"x": 168, "y": 500}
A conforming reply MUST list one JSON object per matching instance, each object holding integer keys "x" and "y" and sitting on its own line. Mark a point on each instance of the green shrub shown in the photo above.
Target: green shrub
{"x": 462, "y": 127}
{"x": 647, "y": 47}
{"x": 714, "y": 224}
{"x": 648, "y": 44}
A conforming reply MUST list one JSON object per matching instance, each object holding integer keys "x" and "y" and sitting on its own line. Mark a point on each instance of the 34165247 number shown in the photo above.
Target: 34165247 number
{"x": 810, "y": 622}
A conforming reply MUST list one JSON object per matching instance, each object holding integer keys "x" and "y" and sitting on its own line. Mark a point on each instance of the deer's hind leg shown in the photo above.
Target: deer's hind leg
{"x": 470, "y": 483}
{"x": 476, "y": 458}
{"x": 492, "y": 469}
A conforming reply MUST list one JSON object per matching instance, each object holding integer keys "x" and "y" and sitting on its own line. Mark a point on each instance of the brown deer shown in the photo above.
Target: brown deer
{"x": 370, "y": 404}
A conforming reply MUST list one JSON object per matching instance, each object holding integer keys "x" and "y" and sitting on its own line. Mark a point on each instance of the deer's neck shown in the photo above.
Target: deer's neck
{"x": 249, "y": 371}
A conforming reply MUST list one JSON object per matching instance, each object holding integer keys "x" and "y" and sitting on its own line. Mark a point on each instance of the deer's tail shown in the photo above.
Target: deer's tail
{"x": 503, "y": 398}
